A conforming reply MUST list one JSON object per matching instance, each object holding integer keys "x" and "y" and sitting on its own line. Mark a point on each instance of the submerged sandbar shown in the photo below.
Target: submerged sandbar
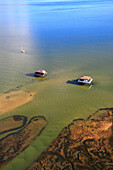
{"x": 14, "y": 99}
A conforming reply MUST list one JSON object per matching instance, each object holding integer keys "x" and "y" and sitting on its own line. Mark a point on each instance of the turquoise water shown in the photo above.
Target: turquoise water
{"x": 68, "y": 39}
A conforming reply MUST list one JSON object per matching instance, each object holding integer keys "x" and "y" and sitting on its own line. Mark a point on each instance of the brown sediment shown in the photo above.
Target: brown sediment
{"x": 84, "y": 144}
{"x": 14, "y": 99}
{"x": 14, "y": 143}
{"x": 11, "y": 123}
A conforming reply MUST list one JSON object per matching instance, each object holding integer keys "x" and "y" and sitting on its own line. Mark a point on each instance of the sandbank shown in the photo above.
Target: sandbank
{"x": 14, "y": 99}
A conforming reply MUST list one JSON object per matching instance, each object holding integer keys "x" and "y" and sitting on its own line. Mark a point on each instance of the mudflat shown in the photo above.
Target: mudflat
{"x": 11, "y": 123}
{"x": 15, "y": 142}
{"x": 83, "y": 144}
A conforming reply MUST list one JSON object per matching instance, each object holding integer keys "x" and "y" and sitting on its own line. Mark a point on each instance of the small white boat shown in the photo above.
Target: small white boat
{"x": 85, "y": 80}
{"x": 40, "y": 73}
{"x": 22, "y": 51}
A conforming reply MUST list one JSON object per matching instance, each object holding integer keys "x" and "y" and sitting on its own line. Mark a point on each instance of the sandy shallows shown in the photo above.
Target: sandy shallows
{"x": 14, "y": 99}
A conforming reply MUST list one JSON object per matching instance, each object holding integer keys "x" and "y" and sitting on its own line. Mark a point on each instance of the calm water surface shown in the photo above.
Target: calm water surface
{"x": 68, "y": 39}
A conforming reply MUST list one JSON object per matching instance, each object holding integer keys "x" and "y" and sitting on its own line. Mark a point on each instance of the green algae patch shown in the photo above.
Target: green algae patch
{"x": 14, "y": 143}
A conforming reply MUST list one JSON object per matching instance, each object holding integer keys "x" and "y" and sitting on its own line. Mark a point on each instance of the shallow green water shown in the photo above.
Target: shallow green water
{"x": 68, "y": 40}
